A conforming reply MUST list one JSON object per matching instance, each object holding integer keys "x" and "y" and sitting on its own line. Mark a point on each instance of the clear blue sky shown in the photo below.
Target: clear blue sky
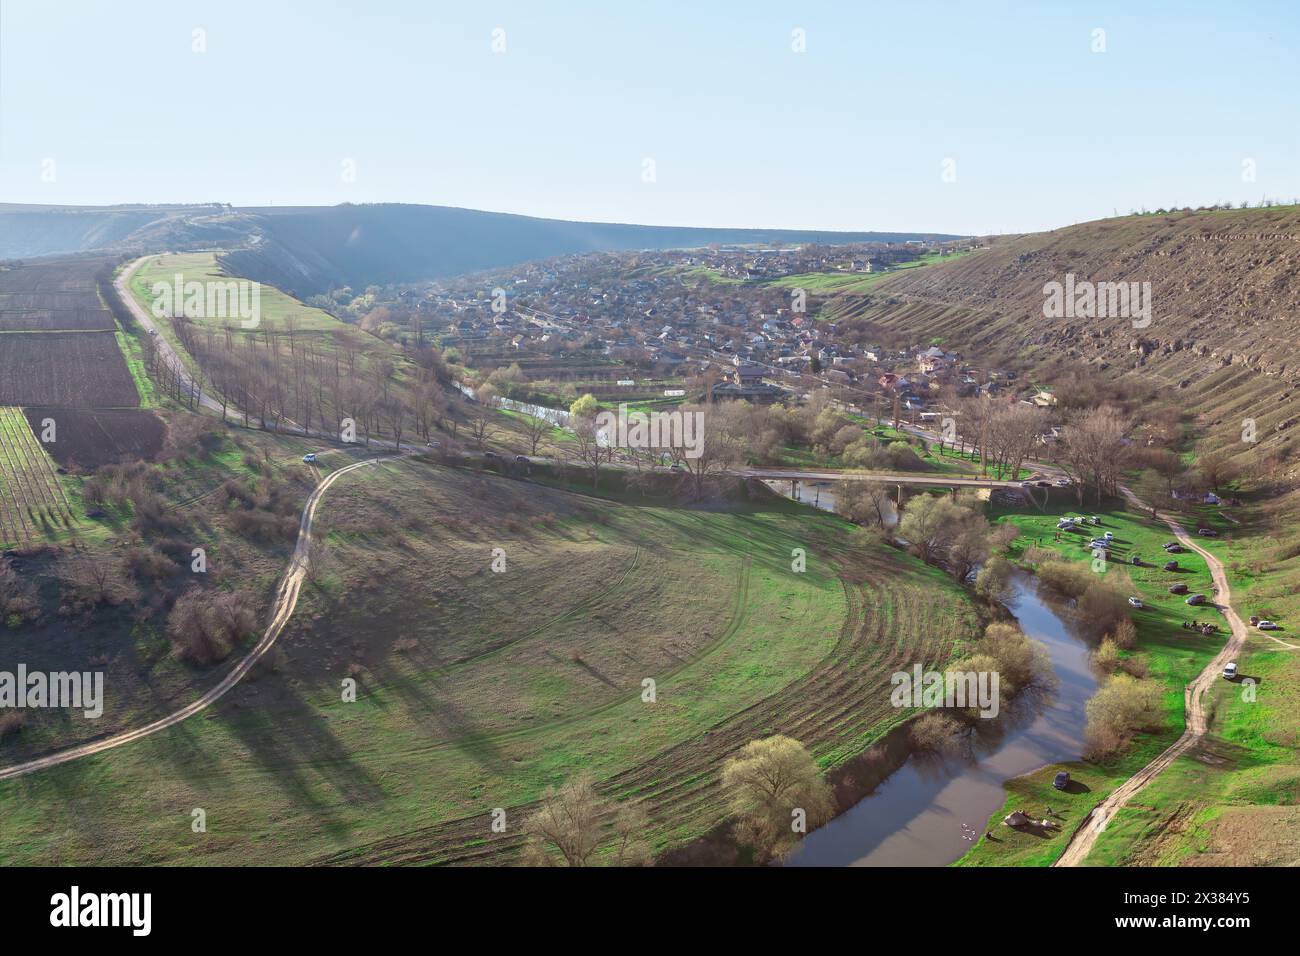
{"x": 743, "y": 131}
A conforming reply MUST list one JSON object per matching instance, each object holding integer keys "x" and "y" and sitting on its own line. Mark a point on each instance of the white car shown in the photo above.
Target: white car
{"x": 1063, "y": 482}
{"x": 1109, "y": 535}
{"x": 1266, "y": 626}
{"x": 1135, "y": 602}
{"x": 310, "y": 459}
{"x": 1230, "y": 671}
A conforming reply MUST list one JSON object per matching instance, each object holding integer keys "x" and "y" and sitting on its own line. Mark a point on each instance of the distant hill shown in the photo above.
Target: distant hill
{"x": 310, "y": 249}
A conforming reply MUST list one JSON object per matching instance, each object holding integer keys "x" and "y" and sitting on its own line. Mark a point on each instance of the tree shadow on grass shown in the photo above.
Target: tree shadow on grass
{"x": 291, "y": 742}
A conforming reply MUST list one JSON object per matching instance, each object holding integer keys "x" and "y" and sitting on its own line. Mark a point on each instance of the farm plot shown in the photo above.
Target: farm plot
{"x": 52, "y": 275}
{"x": 54, "y": 319}
{"x": 65, "y": 369}
{"x": 32, "y": 503}
{"x": 53, "y": 296}
{"x": 88, "y": 438}
{"x": 57, "y": 301}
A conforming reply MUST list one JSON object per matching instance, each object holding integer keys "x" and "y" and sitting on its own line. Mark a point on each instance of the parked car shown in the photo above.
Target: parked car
{"x": 435, "y": 444}
{"x": 1065, "y": 524}
{"x": 1109, "y": 535}
{"x": 1135, "y": 561}
{"x": 1266, "y": 626}
{"x": 1099, "y": 543}
{"x": 1094, "y": 520}
{"x": 1196, "y": 599}
{"x": 1170, "y": 544}
{"x": 1207, "y": 532}
{"x": 1061, "y": 780}
{"x": 1174, "y": 548}
{"x": 1171, "y": 565}
{"x": 491, "y": 456}
{"x": 1254, "y": 620}
{"x": 1178, "y": 589}
{"x": 1230, "y": 670}
{"x": 310, "y": 458}
{"x": 1063, "y": 482}
{"x": 1135, "y": 602}
{"x": 522, "y": 460}
{"x": 1043, "y": 484}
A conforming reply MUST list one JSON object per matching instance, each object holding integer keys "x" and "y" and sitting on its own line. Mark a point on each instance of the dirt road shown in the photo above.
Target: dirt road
{"x": 1081, "y": 842}
{"x": 286, "y": 599}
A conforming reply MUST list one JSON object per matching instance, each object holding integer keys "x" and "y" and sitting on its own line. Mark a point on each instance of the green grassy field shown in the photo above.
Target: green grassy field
{"x": 479, "y": 689}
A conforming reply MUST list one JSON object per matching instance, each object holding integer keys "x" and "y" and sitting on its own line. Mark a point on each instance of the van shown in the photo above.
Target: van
{"x": 1230, "y": 671}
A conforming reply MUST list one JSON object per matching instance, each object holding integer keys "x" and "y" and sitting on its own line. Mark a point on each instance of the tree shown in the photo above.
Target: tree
{"x": 585, "y": 407}
{"x": 1153, "y": 491}
{"x": 481, "y": 426}
{"x": 993, "y": 582}
{"x": 568, "y": 821}
{"x": 571, "y": 820}
{"x": 766, "y": 785}
{"x": 535, "y": 429}
{"x": 1121, "y": 707}
{"x": 864, "y": 501}
{"x": 719, "y": 447}
{"x": 586, "y": 450}
{"x": 1218, "y": 470}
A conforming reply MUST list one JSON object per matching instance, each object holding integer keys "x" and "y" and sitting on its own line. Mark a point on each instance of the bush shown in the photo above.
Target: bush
{"x": 11, "y": 723}
{"x": 1066, "y": 577}
{"x": 935, "y": 732}
{"x": 204, "y": 626}
{"x": 1123, "y": 706}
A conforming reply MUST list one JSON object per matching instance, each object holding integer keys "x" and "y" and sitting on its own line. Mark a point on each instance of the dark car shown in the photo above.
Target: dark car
{"x": 490, "y": 455}
{"x": 1174, "y": 548}
{"x": 1062, "y": 780}
{"x": 1207, "y": 532}
{"x": 1178, "y": 589}
{"x": 1171, "y": 565}
{"x": 1195, "y": 599}
{"x": 522, "y": 460}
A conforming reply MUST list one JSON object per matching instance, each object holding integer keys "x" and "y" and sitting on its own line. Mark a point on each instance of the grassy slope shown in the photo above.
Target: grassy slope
{"x": 478, "y": 690}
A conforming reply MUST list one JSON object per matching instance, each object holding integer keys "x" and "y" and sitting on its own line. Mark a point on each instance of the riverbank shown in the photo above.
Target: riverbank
{"x": 1165, "y": 652}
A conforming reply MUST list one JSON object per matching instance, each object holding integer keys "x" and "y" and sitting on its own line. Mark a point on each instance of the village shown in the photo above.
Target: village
{"x": 672, "y": 326}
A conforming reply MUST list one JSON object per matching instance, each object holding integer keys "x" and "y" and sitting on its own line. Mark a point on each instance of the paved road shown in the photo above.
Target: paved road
{"x": 286, "y": 599}
{"x": 1081, "y": 842}
{"x": 891, "y": 478}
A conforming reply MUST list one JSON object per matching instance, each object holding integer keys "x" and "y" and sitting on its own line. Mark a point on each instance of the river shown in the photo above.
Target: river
{"x": 916, "y": 816}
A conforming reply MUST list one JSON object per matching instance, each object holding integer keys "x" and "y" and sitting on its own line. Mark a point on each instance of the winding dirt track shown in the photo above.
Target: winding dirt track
{"x": 286, "y": 599}
{"x": 1082, "y": 840}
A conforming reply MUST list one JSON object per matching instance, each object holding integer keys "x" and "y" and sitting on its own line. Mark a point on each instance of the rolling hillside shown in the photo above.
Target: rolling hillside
{"x": 310, "y": 249}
